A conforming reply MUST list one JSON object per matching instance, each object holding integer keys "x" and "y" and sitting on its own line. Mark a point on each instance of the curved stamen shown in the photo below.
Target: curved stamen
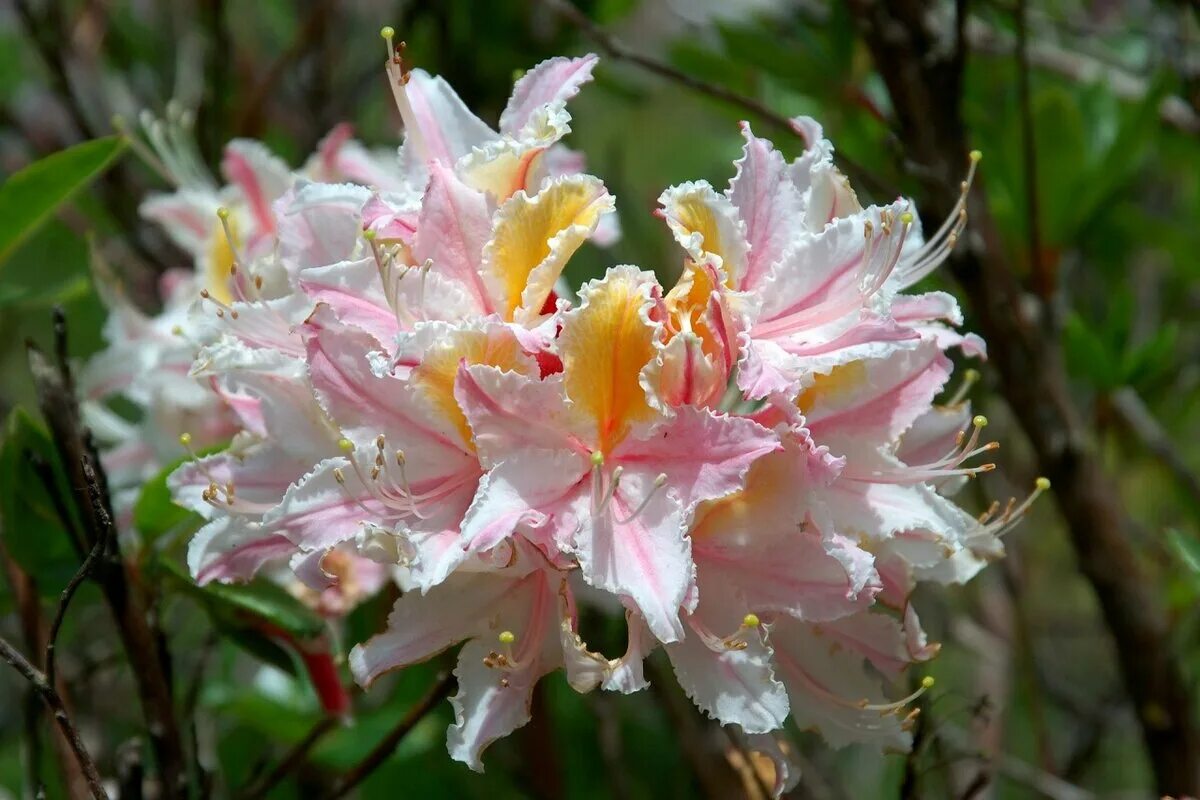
{"x": 398, "y": 79}
{"x": 939, "y": 246}
{"x": 1000, "y": 524}
{"x": 659, "y": 482}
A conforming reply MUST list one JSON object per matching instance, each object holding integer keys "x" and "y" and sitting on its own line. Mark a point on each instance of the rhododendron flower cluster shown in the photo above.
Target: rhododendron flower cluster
{"x": 753, "y": 463}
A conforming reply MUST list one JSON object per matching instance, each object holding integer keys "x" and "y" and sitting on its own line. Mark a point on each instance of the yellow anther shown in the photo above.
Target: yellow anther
{"x": 971, "y": 375}
{"x": 1042, "y": 483}
{"x": 927, "y": 682}
{"x": 185, "y": 439}
{"x": 980, "y": 421}
{"x": 750, "y": 621}
{"x": 906, "y": 218}
{"x": 223, "y": 212}
{"x": 177, "y": 330}
{"x": 507, "y": 637}
{"x": 597, "y": 459}
{"x": 369, "y": 235}
{"x": 387, "y": 32}
{"x": 346, "y": 445}
{"x": 976, "y": 156}
{"x": 660, "y": 481}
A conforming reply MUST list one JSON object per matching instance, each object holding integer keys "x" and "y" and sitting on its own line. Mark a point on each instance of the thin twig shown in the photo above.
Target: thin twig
{"x": 925, "y": 89}
{"x": 618, "y": 51}
{"x": 294, "y": 758}
{"x": 1141, "y": 422}
{"x": 52, "y": 700}
{"x": 81, "y": 574}
{"x": 1043, "y": 278}
{"x": 123, "y": 592}
{"x": 385, "y": 748}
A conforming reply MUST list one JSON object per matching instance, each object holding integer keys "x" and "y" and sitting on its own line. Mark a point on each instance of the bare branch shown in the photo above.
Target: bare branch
{"x": 1043, "y": 278}
{"x": 374, "y": 759}
{"x": 294, "y": 758}
{"x": 618, "y": 51}
{"x": 1138, "y": 419}
{"x": 50, "y": 697}
{"x": 122, "y": 590}
{"x": 81, "y": 574}
{"x": 926, "y": 96}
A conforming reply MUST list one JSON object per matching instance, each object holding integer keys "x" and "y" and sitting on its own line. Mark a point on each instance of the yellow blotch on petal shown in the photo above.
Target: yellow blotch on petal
{"x": 604, "y": 345}
{"x": 839, "y": 382}
{"x": 221, "y": 259}
{"x": 705, "y": 224}
{"x": 771, "y": 480}
{"x": 534, "y": 238}
{"x": 505, "y": 173}
{"x": 437, "y": 371}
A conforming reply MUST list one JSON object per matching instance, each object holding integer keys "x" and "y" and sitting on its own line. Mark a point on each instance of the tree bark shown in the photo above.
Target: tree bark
{"x": 924, "y": 80}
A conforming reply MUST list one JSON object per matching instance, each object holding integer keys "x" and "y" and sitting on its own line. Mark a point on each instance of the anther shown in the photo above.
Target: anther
{"x": 750, "y": 621}
{"x": 597, "y": 459}
{"x": 507, "y": 637}
{"x": 345, "y": 445}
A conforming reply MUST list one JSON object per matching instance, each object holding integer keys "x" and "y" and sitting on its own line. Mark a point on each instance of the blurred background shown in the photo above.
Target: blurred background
{"x": 1068, "y": 670}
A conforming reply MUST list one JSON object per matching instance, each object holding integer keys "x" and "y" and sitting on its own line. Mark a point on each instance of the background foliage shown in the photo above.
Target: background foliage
{"x": 1031, "y": 700}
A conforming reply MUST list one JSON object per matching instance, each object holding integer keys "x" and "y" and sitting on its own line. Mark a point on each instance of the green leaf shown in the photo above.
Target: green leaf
{"x": 254, "y": 615}
{"x": 12, "y": 295}
{"x": 29, "y": 197}
{"x": 1187, "y": 548}
{"x": 1087, "y": 355}
{"x": 33, "y": 531}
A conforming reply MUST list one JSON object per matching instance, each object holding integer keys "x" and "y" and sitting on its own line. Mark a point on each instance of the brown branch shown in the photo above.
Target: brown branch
{"x": 699, "y": 743}
{"x": 1140, "y": 421}
{"x": 28, "y": 603}
{"x": 383, "y": 751}
{"x": 68, "y": 593}
{"x": 618, "y": 51}
{"x": 925, "y": 92}
{"x": 54, "y": 703}
{"x": 294, "y": 758}
{"x": 1042, "y": 271}
{"x": 122, "y": 591}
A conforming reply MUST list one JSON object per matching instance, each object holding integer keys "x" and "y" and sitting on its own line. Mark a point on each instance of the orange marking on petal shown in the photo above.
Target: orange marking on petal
{"x": 604, "y": 345}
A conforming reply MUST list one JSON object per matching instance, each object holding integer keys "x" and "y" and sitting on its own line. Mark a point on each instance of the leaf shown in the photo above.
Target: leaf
{"x": 23, "y": 297}
{"x": 1087, "y": 355}
{"x": 1187, "y": 548}
{"x": 33, "y": 531}
{"x": 1153, "y": 359}
{"x": 257, "y": 616}
{"x": 29, "y": 197}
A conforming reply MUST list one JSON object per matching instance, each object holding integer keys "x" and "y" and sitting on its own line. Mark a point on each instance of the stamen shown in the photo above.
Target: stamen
{"x": 659, "y": 482}
{"x": 212, "y": 494}
{"x": 139, "y": 148}
{"x": 340, "y": 477}
{"x": 412, "y": 500}
{"x": 939, "y": 246}
{"x": 223, "y": 215}
{"x": 884, "y": 709}
{"x": 970, "y": 378}
{"x": 1002, "y": 524}
{"x": 398, "y": 78}
{"x": 222, "y": 306}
